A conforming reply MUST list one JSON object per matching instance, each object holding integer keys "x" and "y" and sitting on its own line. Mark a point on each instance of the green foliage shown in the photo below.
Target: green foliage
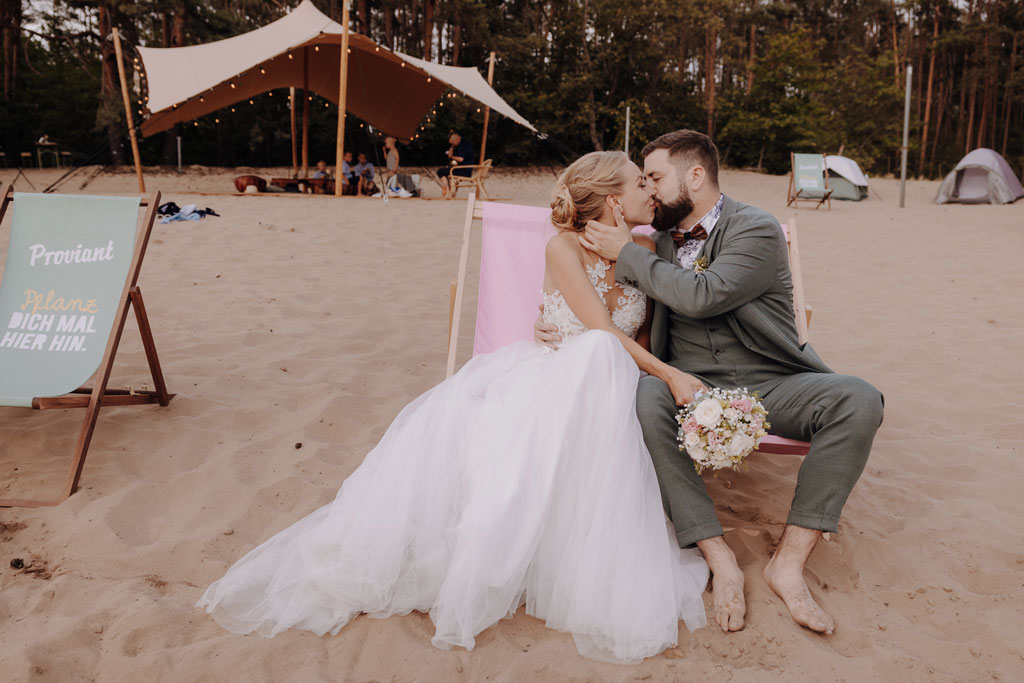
{"x": 820, "y": 75}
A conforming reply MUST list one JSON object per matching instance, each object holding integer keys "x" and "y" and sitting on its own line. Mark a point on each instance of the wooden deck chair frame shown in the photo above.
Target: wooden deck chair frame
{"x": 476, "y": 180}
{"x": 794, "y": 197}
{"x": 802, "y": 312}
{"x": 99, "y": 395}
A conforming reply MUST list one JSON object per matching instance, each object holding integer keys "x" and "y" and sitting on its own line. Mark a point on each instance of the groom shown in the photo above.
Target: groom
{"x": 729, "y": 321}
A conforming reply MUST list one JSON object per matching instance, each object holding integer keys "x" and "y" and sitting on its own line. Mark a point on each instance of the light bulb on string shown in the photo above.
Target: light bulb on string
{"x": 262, "y": 70}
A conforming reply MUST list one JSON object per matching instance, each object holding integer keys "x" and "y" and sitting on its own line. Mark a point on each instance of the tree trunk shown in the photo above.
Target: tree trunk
{"x": 389, "y": 26}
{"x": 10, "y": 37}
{"x": 110, "y": 95}
{"x": 895, "y": 46}
{"x": 1007, "y": 95}
{"x": 928, "y": 97}
{"x": 985, "y": 96}
{"x": 710, "y": 58}
{"x": 428, "y": 30}
{"x": 363, "y": 18}
{"x": 969, "y": 138}
{"x": 962, "y": 109}
{"x": 945, "y": 96}
{"x": 752, "y": 59}
{"x": 456, "y": 40}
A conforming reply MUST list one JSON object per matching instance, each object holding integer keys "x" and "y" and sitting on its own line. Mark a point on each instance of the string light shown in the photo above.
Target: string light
{"x": 216, "y": 120}
{"x": 202, "y": 99}
{"x": 232, "y": 110}
{"x": 251, "y": 102}
{"x": 290, "y": 56}
{"x": 262, "y": 70}
{"x": 232, "y": 86}
{"x": 316, "y": 48}
{"x": 403, "y": 65}
{"x": 271, "y": 94}
{"x": 428, "y": 79}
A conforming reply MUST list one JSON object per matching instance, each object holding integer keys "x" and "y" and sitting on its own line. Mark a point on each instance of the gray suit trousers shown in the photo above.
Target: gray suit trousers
{"x": 838, "y": 414}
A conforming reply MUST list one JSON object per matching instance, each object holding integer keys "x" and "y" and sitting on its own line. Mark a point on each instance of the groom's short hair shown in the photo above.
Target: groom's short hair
{"x": 689, "y": 146}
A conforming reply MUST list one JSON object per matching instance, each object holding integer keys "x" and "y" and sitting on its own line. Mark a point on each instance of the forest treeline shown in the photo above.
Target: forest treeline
{"x": 764, "y": 77}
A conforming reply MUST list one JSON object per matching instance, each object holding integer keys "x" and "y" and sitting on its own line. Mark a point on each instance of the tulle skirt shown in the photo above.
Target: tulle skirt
{"x": 521, "y": 479}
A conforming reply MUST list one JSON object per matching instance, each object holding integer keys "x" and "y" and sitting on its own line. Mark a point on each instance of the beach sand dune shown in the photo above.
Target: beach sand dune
{"x": 293, "y": 330}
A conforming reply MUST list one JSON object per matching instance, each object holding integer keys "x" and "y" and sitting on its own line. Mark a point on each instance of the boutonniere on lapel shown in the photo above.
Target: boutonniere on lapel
{"x": 700, "y": 265}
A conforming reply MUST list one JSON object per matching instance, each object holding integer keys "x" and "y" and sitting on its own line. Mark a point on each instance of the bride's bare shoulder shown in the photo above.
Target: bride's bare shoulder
{"x": 564, "y": 244}
{"x": 644, "y": 241}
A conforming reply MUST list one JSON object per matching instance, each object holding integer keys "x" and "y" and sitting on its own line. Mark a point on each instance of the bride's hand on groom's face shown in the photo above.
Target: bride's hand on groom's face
{"x": 683, "y": 386}
{"x": 606, "y": 240}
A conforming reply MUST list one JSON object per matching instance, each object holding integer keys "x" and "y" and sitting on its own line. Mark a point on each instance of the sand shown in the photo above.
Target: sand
{"x": 293, "y": 329}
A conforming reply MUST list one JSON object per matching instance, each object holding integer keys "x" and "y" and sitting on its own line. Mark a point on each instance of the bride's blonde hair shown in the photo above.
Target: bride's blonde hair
{"x": 580, "y": 191}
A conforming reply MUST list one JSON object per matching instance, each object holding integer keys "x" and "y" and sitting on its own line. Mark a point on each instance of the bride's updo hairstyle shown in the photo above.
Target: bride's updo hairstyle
{"x": 580, "y": 191}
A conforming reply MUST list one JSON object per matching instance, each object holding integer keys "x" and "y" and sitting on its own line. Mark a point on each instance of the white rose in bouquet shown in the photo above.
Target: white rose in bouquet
{"x": 708, "y": 413}
{"x": 741, "y": 444}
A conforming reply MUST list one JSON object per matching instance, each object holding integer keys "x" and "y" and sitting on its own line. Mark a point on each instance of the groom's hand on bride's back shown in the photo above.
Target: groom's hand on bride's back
{"x": 544, "y": 333}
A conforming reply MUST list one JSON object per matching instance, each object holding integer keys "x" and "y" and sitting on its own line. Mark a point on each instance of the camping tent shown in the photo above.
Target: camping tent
{"x": 846, "y": 179}
{"x": 981, "y": 177}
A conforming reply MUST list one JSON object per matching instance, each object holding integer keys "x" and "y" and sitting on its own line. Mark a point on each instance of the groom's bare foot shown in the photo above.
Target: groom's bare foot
{"x": 730, "y": 606}
{"x": 785, "y": 574}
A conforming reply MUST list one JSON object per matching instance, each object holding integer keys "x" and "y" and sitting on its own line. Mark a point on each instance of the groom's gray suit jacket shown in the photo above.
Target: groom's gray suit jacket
{"x": 747, "y": 283}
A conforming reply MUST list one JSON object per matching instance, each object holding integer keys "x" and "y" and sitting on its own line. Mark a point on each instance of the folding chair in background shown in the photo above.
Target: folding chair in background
{"x": 513, "y": 239}
{"x": 71, "y": 275}
{"x": 808, "y": 180}
{"x": 476, "y": 180}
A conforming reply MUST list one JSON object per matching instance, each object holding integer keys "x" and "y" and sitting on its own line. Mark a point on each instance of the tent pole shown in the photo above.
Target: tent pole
{"x": 295, "y": 141}
{"x": 128, "y": 110}
{"x": 487, "y": 110}
{"x": 342, "y": 97}
{"x": 305, "y": 112}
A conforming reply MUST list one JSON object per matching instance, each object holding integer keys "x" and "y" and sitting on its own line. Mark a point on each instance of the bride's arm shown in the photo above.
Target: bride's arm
{"x": 566, "y": 273}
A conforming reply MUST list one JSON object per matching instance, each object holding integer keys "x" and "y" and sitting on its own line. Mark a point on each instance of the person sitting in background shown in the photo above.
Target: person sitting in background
{"x": 321, "y": 170}
{"x": 349, "y": 180}
{"x": 364, "y": 175}
{"x": 459, "y": 154}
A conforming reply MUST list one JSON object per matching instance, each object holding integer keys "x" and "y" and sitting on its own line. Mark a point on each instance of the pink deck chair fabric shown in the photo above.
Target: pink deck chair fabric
{"x": 511, "y": 279}
{"x": 511, "y": 273}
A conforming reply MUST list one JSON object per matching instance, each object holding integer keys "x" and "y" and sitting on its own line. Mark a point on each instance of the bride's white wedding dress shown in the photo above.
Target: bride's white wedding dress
{"x": 522, "y": 478}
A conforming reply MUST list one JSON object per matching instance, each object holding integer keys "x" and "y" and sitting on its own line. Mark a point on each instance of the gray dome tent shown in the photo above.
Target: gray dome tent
{"x": 845, "y": 178}
{"x": 981, "y": 177}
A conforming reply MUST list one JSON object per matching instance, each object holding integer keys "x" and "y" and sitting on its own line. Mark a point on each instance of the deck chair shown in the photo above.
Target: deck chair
{"x": 808, "y": 180}
{"x": 512, "y": 273}
{"x": 71, "y": 275}
{"x": 476, "y": 180}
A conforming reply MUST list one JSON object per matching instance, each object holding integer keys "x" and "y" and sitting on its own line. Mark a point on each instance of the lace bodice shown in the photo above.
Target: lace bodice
{"x": 627, "y": 315}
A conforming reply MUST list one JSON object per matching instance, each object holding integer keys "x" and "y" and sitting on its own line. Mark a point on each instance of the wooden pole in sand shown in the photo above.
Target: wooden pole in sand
{"x": 295, "y": 141}
{"x": 305, "y": 112}
{"x": 487, "y": 110}
{"x": 342, "y": 97}
{"x": 128, "y": 110}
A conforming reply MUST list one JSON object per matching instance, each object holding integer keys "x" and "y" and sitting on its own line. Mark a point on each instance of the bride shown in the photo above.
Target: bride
{"x": 521, "y": 479}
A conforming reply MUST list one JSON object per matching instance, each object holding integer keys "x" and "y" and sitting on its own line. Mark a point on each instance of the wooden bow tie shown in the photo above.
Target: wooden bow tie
{"x": 697, "y": 232}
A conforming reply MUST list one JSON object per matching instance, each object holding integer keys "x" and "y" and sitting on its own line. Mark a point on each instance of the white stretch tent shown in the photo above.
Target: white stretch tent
{"x": 845, "y": 178}
{"x": 390, "y": 90}
{"x": 981, "y": 177}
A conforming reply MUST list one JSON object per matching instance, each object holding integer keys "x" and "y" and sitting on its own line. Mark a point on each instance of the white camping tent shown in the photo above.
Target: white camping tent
{"x": 981, "y": 177}
{"x": 845, "y": 178}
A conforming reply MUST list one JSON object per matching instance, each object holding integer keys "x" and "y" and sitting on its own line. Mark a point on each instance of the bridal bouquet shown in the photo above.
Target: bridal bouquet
{"x": 720, "y": 427}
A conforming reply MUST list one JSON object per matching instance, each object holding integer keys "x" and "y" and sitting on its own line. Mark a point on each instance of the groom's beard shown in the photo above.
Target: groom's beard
{"x": 669, "y": 216}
